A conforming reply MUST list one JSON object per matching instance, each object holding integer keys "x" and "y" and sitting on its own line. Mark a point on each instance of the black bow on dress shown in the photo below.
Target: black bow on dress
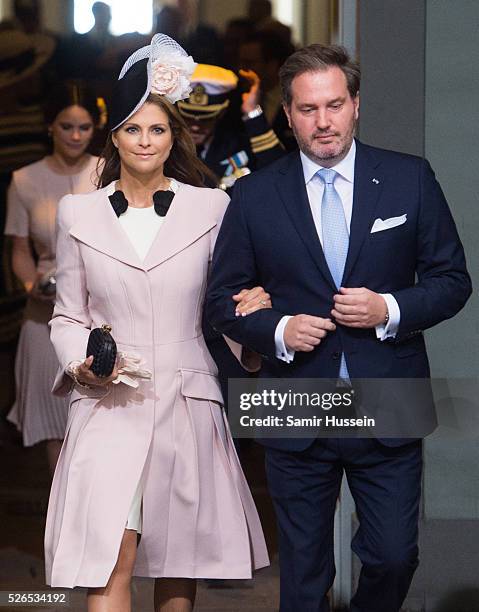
{"x": 161, "y": 201}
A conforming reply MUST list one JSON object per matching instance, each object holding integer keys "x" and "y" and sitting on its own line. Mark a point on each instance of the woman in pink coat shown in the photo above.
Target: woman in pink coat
{"x": 145, "y": 458}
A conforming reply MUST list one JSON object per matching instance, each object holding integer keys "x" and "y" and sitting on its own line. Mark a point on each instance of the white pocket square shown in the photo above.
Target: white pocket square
{"x": 380, "y": 225}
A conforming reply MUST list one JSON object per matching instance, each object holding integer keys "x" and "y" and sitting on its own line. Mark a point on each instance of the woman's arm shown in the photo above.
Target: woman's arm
{"x": 17, "y": 226}
{"x": 71, "y": 322}
{"x": 23, "y": 264}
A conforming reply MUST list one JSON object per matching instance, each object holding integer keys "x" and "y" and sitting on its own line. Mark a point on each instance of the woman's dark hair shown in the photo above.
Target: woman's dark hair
{"x": 182, "y": 164}
{"x": 71, "y": 93}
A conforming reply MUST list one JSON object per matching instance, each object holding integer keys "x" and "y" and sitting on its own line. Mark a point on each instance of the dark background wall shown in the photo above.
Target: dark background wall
{"x": 420, "y": 95}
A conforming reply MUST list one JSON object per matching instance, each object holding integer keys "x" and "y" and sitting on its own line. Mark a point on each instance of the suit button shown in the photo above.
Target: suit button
{"x": 336, "y": 355}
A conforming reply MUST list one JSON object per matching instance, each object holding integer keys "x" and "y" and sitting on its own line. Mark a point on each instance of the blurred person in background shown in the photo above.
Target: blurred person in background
{"x": 169, "y": 21}
{"x": 100, "y": 35}
{"x": 22, "y": 133}
{"x": 27, "y": 15}
{"x": 22, "y": 140}
{"x": 183, "y": 21}
{"x": 264, "y": 53}
{"x": 71, "y": 115}
{"x": 260, "y": 12}
{"x": 91, "y": 57}
{"x": 237, "y": 31}
{"x": 229, "y": 129}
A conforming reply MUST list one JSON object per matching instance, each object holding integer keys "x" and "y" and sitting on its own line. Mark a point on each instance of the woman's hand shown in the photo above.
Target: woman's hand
{"x": 34, "y": 291}
{"x": 85, "y": 376}
{"x": 251, "y": 300}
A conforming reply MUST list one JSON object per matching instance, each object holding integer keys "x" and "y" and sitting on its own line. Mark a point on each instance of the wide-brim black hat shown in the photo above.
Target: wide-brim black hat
{"x": 163, "y": 67}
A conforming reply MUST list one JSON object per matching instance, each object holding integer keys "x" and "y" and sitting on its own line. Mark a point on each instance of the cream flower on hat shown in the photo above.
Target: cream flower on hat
{"x": 171, "y": 76}
{"x": 163, "y": 67}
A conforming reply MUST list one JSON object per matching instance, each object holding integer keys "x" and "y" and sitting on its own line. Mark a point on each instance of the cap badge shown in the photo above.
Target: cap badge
{"x": 199, "y": 96}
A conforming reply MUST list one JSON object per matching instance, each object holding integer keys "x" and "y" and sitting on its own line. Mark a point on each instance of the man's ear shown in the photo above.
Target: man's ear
{"x": 287, "y": 111}
{"x": 356, "y": 106}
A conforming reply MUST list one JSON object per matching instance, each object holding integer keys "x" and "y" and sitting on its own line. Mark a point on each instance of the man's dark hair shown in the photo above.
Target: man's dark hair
{"x": 318, "y": 57}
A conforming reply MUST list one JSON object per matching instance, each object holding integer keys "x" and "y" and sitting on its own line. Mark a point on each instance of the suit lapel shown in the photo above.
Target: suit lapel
{"x": 292, "y": 191}
{"x": 368, "y": 184}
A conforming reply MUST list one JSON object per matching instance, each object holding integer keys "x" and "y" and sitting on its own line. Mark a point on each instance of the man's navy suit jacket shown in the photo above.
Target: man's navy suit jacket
{"x": 268, "y": 238}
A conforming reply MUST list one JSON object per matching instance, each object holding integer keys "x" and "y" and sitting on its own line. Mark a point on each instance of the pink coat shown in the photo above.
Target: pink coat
{"x": 199, "y": 519}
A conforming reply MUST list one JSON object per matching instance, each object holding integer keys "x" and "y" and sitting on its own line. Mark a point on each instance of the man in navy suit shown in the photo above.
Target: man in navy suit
{"x": 360, "y": 254}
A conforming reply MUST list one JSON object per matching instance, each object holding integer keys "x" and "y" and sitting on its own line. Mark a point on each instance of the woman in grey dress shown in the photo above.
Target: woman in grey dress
{"x": 32, "y": 202}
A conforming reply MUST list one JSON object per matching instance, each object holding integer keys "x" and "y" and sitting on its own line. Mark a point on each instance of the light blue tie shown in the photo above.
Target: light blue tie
{"x": 335, "y": 236}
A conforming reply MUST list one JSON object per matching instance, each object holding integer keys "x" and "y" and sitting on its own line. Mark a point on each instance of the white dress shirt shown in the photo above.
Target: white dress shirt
{"x": 344, "y": 185}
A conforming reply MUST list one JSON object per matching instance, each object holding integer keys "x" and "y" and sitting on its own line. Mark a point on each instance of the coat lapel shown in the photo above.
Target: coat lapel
{"x": 184, "y": 223}
{"x": 293, "y": 194}
{"x": 368, "y": 184}
{"x": 99, "y": 228}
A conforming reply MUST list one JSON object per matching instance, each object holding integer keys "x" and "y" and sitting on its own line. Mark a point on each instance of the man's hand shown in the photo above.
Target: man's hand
{"x": 251, "y": 300}
{"x": 359, "y": 307}
{"x": 251, "y": 97}
{"x": 305, "y": 332}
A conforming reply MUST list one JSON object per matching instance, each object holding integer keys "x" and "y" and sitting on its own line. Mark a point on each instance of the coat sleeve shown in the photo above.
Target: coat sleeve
{"x": 249, "y": 360}
{"x": 443, "y": 283}
{"x": 71, "y": 322}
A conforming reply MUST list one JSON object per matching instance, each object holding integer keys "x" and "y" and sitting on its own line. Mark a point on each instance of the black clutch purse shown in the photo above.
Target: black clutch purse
{"x": 103, "y": 348}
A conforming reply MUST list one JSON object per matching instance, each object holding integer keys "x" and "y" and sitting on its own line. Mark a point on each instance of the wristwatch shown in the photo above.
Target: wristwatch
{"x": 256, "y": 112}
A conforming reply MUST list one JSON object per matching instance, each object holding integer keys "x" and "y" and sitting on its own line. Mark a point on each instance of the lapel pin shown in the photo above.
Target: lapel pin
{"x": 375, "y": 181}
